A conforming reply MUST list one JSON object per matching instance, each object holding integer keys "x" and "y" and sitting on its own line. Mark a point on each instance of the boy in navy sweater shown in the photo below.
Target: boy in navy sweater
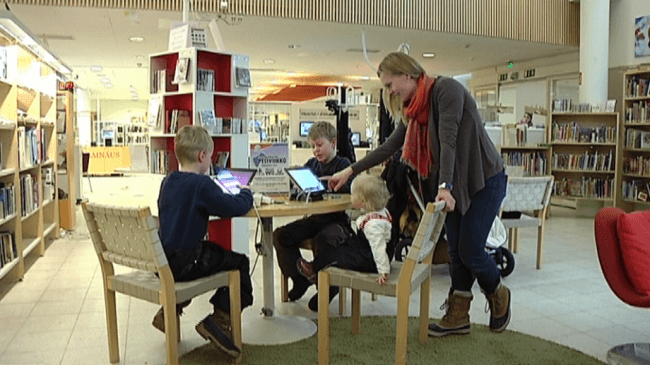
{"x": 187, "y": 198}
{"x": 326, "y": 230}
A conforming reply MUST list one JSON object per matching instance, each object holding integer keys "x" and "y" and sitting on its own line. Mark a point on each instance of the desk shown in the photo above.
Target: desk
{"x": 287, "y": 328}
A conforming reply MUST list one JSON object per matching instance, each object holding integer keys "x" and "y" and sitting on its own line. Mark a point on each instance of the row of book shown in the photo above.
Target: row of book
{"x": 574, "y": 132}
{"x": 637, "y": 166}
{"x": 162, "y": 160}
{"x": 637, "y": 86}
{"x": 599, "y": 188}
{"x": 596, "y": 161}
{"x": 8, "y": 249}
{"x": 638, "y": 113}
{"x": 635, "y": 138}
{"x": 635, "y": 190}
{"x": 7, "y": 199}
{"x": 28, "y": 194}
{"x": 220, "y": 125}
{"x": 176, "y": 119}
{"x": 31, "y": 146}
{"x": 532, "y": 163}
{"x": 48, "y": 184}
{"x": 159, "y": 81}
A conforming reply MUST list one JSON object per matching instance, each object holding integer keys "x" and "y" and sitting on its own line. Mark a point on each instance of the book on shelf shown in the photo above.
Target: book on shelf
{"x": 8, "y": 249}
{"x": 637, "y": 86}
{"x": 205, "y": 80}
{"x": 222, "y": 159}
{"x": 637, "y": 166}
{"x": 242, "y": 77}
{"x": 209, "y": 121}
{"x": 176, "y": 119}
{"x": 4, "y": 75}
{"x": 154, "y": 111}
{"x": 645, "y": 139}
{"x": 182, "y": 70}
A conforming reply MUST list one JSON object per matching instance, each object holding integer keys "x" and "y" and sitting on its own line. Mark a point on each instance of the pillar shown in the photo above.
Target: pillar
{"x": 594, "y": 50}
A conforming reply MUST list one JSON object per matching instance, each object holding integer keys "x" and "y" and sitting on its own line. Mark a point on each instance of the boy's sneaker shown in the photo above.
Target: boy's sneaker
{"x": 306, "y": 268}
{"x": 313, "y": 302}
{"x": 159, "y": 319}
{"x": 211, "y": 331}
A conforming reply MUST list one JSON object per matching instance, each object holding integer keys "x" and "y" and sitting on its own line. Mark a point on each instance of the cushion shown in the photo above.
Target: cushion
{"x": 634, "y": 236}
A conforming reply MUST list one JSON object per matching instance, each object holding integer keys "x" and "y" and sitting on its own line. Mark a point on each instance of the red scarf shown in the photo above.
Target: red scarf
{"x": 417, "y": 146}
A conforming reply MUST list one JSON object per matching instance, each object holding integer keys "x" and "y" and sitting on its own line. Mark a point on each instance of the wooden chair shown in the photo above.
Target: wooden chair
{"x": 403, "y": 281}
{"x": 527, "y": 194}
{"x": 128, "y": 236}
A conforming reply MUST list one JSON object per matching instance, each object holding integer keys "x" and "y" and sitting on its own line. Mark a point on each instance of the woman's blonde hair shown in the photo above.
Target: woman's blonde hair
{"x": 398, "y": 64}
{"x": 371, "y": 190}
{"x": 189, "y": 141}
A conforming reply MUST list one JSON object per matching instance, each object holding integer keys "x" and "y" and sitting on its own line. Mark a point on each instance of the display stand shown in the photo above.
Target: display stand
{"x": 67, "y": 213}
{"x": 207, "y": 93}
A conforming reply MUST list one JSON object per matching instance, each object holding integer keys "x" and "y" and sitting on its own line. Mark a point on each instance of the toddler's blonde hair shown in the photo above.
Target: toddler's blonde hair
{"x": 371, "y": 190}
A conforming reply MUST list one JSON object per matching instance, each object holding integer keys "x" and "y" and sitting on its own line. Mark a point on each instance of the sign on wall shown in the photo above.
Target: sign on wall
{"x": 270, "y": 160}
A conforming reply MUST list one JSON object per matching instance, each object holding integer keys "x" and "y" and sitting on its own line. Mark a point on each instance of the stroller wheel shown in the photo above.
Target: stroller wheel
{"x": 505, "y": 261}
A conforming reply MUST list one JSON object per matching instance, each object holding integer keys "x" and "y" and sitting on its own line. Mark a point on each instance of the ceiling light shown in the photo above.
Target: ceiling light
{"x": 294, "y": 46}
{"x": 108, "y": 86}
{"x": 105, "y": 80}
{"x": 132, "y": 88}
{"x": 135, "y": 98}
{"x": 365, "y": 77}
{"x": 269, "y": 61}
{"x": 428, "y": 55}
{"x": 136, "y": 39}
{"x": 292, "y": 73}
{"x": 95, "y": 68}
{"x": 293, "y": 85}
{"x": 138, "y": 57}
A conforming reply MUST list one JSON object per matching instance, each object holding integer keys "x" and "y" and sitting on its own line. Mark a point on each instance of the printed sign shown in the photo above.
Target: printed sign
{"x": 270, "y": 160}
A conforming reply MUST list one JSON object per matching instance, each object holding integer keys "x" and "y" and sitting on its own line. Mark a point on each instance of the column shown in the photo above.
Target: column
{"x": 594, "y": 50}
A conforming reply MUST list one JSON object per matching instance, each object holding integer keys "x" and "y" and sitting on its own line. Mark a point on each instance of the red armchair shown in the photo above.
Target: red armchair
{"x": 624, "y": 267}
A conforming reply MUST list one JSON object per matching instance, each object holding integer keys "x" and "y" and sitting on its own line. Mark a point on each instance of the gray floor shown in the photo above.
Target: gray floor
{"x": 56, "y": 314}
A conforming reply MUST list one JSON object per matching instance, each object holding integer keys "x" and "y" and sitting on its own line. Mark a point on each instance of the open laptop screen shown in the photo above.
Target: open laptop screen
{"x": 305, "y": 180}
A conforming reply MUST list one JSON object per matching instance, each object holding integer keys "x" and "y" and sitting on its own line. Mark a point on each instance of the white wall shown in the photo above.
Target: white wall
{"x": 621, "y": 31}
{"x": 121, "y": 111}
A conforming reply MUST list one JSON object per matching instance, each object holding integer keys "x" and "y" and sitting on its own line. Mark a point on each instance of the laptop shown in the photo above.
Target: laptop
{"x": 306, "y": 180}
{"x": 230, "y": 179}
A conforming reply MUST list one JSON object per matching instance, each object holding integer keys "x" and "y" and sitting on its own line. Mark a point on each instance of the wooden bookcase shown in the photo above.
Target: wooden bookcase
{"x": 28, "y": 148}
{"x": 635, "y": 142}
{"x": 584, "y": 158}
{"x": 227, "y": 99}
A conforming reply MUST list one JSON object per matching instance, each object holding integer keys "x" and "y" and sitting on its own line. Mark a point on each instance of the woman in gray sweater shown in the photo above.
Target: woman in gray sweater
{"x": 443, "y": 139}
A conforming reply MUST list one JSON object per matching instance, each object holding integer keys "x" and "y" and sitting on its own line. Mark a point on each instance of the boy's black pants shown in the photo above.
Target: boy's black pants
{"x": 208, "y": 258}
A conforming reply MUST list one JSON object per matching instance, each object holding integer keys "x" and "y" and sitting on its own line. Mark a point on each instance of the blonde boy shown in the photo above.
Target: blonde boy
{"x": 188, "y": 197}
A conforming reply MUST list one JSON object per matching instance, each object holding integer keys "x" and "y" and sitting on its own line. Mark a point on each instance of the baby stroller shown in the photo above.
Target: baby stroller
{"x": 495, "y": 247}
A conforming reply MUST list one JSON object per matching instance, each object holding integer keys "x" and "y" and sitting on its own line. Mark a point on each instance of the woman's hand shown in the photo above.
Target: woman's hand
{"x": 445, "y": 195}
{"x": 336, "y": 181}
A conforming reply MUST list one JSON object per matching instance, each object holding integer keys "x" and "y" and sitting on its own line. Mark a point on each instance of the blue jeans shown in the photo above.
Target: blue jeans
{"x": 467, "y": 234}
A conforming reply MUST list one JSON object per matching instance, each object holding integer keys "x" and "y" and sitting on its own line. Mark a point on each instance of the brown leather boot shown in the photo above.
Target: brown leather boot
{"x": 456, "y": 320}
{"x": 159, "y": 319}
{"x": 499, "y": 302}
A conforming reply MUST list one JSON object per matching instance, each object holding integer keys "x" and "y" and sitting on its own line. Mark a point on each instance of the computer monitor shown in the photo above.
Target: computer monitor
{"x": 356, "y": 139}
{"x": 108, "y": 134}
{"x": 304, "y": 128}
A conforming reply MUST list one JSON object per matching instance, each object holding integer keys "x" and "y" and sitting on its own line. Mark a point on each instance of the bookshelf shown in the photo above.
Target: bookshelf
{"x": 209, "y": 87}
{"x": 635, "y": 142}
{"x": 28, "y": 182}
{"x": 584, "y": 158}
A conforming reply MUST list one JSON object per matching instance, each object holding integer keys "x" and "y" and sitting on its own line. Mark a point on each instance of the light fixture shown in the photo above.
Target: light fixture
{"x": 108, "y": 86}
{"x": 292, "y": 73}
{"x": 275, "y": 82}
{"x": 428, "y": 55}
{"x": 269, "y": 61}
{"x": 365, "y": 78}
{"x": 138, "y": 57}
{"x": 136, "y": 39}
{"x": 294, "y": 46}
{"x": 96, "y": 68}
{"x": 15, "y": 29}
{"x": 132, "y": 89}
{"x": 105, "y": 80}
{"x": 292, "y": 85}
{"x": 135, "y": 98}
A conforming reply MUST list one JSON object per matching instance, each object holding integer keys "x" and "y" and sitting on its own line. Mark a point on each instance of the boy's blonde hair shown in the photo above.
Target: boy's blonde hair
{"x": 371, "y": 190}
{"x": 398, "y": 64}
{"x": 189, "y": 141}
{"x": 322, "y": 129}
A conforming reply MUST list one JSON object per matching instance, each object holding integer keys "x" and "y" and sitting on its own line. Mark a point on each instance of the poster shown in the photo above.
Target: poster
{"x": 270, "y": 160}
{"x": 641, "y": 36}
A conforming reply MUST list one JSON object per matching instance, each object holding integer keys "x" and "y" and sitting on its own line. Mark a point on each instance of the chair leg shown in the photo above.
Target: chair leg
{"x": 323, "y": 317}
{"x": 515, "y": 246}
{"x": 540, "y": 241}
{"x": 402, "y": 324}
{"x": 343, "y": 294}
{"x": 425, "y": 289}
{"x": 111, "y": 325}
{"x": 168, "y": 299}
{"x": 234, "y": 284}
{"x": 284, "y": 287}
{"x": 511, "y": 239}
{"x": 356, "y": 311}
{"x": 89, "y": 183}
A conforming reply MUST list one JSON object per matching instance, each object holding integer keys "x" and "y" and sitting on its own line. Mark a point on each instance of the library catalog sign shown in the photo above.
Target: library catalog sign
{"x": 270, "y": 160}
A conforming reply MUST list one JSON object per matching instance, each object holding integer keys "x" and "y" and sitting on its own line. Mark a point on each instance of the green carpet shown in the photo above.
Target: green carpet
{"x": 376, "y": 345}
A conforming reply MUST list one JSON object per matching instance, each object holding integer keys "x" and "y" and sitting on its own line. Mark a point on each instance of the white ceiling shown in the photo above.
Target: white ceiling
{"x": 101, "y": 37}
